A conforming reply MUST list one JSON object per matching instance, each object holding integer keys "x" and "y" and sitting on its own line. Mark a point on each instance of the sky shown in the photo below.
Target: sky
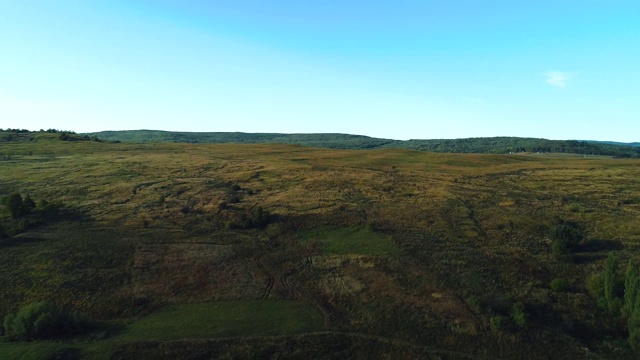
{"x": 400, "y": 69}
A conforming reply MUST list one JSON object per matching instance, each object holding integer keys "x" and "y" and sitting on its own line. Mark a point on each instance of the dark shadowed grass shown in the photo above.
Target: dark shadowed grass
{"x": 42, "y": 350}
{"x": 226, "y": 318}
{"x": 344, "y": 241}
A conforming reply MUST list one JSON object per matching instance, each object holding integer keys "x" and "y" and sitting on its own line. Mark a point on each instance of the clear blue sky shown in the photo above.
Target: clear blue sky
{"x": 561, "y": 69}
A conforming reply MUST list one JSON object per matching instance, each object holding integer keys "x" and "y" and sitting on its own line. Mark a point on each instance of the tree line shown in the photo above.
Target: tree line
{"x": 491, "y": 145}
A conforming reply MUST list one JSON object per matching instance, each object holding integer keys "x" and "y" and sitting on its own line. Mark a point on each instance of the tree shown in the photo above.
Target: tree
{"x": 17, "y": 206}
{"x": 613, "y": 303}
{"x": 564, "y": 237}
{"x": 631, "y": 285}
{"x": 568, "y": 232}
{"x": 14, "y": 204}
{"x": 633, "y": 325}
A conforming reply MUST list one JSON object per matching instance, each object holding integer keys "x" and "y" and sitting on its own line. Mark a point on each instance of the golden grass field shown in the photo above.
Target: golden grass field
{"x": 414, "y": 253}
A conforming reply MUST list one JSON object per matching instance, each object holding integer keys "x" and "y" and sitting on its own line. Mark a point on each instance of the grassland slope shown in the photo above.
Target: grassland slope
{"x": 386, "y": 251}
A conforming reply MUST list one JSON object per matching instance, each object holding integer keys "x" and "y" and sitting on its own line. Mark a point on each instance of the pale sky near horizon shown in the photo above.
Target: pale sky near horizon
{"x": 394, "y": 69}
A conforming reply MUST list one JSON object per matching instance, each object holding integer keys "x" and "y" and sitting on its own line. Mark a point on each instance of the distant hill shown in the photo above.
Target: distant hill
{"x": 492, "y": 145}
{"x": 614, "y": 143}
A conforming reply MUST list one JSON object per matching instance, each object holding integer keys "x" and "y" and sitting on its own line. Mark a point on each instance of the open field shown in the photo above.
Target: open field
{"x": 282, "y": 250}
{"x": 226, "y": 318}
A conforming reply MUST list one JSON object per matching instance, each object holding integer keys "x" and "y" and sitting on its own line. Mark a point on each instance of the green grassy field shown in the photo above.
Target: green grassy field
{"x": 226, "y": 318}
{"x": 408, "y": 251}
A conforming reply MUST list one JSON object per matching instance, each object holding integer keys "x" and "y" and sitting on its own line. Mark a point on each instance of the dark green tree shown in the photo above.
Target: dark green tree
{"x": 613, "y": 303}
{"x": 631, "y": 285}
{"x": 14, "y": 204}
{"x": 257, "y": 218}
{"x": 569, "y": 232}
{"x": 564, "y": 237}
{"x": 18, "y": 206}
{"x": 633, "y": 325}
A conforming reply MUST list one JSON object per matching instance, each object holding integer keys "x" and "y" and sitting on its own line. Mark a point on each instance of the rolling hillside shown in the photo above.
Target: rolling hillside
{"x": 495, "y": 145}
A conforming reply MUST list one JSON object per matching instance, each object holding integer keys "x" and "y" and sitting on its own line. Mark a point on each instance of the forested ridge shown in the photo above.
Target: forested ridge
{"x": 490, "y": 145}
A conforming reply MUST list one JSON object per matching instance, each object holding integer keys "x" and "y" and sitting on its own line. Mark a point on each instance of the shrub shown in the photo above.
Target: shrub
{"x": 274, "y": 230}
{"x": 574, "y": 207}
{"x": 474, "y": 303}
{"x": 257, "y": 218}
{"x": 42, "y": 320}
{"x": 518, "y": 315}
{"x": 568, "y": 233}
{"x": 559, "y": 284}
{"x": 595, "y": 285}
{"x": 229, "y": 225}
{"x": 496, "y": 323}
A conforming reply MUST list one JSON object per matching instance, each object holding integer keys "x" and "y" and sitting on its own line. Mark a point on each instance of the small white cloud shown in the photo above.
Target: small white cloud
{"x": 557, "y": 78}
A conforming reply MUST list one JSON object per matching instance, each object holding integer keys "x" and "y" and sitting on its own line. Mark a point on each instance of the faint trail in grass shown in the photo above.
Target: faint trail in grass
{"x": 284, "y": 279}
{"x": 270, "y": 279}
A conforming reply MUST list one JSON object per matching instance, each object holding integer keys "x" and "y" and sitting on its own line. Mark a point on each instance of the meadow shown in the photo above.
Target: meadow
{"x": 283, "y": 251}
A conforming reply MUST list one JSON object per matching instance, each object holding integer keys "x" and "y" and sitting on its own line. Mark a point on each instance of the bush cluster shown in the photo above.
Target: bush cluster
{"x": 26, "y": 214}
{"x": 18, "y": 206}
{"x": 559, "y": 284}
{"x": 42, "y": 320}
